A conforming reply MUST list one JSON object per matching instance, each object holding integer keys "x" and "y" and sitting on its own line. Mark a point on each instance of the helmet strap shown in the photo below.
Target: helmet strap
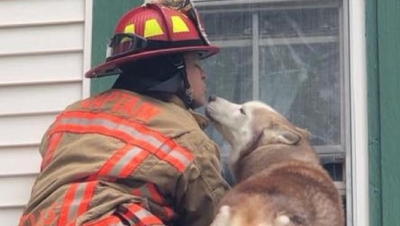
{"x": 179, "y": 62}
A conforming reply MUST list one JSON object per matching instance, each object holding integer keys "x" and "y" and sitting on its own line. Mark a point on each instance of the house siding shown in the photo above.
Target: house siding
{"x": 43, "y": 56}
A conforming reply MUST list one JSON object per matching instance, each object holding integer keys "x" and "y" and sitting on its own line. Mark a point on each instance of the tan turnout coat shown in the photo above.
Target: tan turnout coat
{"x": 120, "y": 158}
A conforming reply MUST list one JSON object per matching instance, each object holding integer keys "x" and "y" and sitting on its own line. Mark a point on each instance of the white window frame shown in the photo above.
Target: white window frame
{"x": 359, "y": 114}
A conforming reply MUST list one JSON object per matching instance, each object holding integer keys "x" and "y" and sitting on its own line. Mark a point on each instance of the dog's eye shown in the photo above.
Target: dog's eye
{"x": 242, "y": 111}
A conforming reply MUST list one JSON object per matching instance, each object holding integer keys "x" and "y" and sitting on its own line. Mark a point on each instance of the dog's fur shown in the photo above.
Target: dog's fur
{"x": 280, "y": 180}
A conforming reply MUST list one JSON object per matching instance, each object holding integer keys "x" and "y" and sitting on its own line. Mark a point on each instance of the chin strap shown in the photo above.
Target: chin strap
{"x": 179, "y": 63}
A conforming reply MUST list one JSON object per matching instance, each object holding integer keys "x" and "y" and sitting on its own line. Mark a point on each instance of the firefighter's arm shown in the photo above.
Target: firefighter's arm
{"x": 201, "y": 187}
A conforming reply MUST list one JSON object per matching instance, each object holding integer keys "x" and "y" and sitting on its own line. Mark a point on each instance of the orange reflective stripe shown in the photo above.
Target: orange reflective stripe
{"x": 130, "y": 132}
{"x": 146, "y": 111}
{"x": 122, "y": 102}
{"x": 180, "y": 158}
{"x": 107, "y": 167}
{"x": 76, "y": 201}
{"x": 137, "y": 215}
{"x": 123, "y": 162}
{"x": 154, "y": 194}
{"x": 150, "y": 191}
{"x": 54, "y": 139}
{"x": 111, "y": 220}
{"x": 158, "y": 198}
{"x": 28, "y": 219}
{"x": 134, "y": 157}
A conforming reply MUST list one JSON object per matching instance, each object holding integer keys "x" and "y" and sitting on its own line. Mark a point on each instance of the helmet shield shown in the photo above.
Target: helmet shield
{"x": 124, "y": 44}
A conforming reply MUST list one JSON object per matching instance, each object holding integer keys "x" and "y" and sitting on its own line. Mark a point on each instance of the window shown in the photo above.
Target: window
{"x": 292, "y": 55}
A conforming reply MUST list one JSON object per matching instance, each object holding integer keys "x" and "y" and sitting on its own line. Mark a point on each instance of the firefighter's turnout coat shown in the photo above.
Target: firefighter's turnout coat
{"x": 120, "y": 158}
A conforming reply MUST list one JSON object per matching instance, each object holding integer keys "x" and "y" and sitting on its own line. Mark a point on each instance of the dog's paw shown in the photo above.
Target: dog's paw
{"x": 223, "y": 217}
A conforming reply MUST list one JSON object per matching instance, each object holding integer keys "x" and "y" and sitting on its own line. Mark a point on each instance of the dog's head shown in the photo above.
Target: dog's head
{"x": 254, "y": 122}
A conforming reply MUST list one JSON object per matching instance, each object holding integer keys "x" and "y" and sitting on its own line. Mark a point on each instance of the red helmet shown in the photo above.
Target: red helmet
{"x": 153, "y": 30}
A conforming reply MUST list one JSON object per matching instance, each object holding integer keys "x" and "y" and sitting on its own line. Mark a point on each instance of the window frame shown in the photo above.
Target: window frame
{"x": 359, "y": 113}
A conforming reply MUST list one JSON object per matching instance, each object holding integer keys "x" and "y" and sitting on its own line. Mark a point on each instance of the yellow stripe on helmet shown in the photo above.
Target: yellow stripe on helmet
{"x": 152, "y": 28}
{"x": 178, "y": 25}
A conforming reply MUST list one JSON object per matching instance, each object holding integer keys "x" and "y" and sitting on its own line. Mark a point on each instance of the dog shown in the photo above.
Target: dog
{"x": 280, "y": 181}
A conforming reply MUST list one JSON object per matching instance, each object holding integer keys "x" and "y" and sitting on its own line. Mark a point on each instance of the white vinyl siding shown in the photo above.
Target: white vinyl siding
{"x": 44, "y": 52}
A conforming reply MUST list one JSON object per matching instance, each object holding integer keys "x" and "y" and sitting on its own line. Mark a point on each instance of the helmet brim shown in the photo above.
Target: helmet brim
{"x": 104, "y": 69}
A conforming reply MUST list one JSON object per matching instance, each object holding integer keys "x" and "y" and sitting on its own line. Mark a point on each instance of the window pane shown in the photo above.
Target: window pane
{"x": 299, "y": 22}
{"x": 228, "y": 25}
{"x": 229, "y": 74}
{"x": 302, "y": 81}
{"x": 291, "y": 50}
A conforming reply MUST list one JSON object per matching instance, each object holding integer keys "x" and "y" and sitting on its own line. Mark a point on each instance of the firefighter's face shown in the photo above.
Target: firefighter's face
{"x": 196, "y": 76}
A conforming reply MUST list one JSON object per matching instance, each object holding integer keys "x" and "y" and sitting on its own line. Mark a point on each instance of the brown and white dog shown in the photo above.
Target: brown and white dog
{"x": 280, "y": 180}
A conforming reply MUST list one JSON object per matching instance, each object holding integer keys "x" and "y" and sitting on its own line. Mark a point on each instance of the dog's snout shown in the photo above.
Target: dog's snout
{"x": 212, "y": 98}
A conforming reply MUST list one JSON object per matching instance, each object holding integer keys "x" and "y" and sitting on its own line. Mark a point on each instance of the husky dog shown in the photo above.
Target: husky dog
{"x": 280, "y": 180}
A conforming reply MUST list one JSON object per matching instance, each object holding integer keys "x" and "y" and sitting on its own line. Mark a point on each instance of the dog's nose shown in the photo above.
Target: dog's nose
{"x": 212, "y": 98}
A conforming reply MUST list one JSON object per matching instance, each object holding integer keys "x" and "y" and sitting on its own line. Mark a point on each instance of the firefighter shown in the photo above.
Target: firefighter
{"x": 135, "y": 154}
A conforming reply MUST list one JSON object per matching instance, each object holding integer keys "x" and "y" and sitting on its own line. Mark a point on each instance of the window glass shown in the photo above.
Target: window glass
{"x": 302, "y": 82}
{"x": 288, "y": 54}
{"x": 230, "y": 73}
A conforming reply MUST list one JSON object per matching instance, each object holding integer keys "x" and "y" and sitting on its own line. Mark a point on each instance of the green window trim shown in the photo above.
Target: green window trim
{"x": 383, "y": 57}
{"x": 104, "y": 22}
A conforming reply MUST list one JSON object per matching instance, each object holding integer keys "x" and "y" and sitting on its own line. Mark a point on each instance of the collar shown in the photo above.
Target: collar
{"x": 201, "y": 120}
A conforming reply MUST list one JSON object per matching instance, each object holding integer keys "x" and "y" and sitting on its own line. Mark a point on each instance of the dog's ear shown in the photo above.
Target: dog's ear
{"x": 287, "y": 136}
{"x": 278, "y": 134}
{"x": 306, "y": 134}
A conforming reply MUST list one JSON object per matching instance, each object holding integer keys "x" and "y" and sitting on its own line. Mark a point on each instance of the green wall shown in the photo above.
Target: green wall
{"x": 383, "y": 57}
{"x": 105, "y": 16}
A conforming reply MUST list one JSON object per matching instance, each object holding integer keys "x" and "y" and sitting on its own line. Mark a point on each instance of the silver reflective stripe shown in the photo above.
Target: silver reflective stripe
{"x": 130, "y": 131}
{"x": 73, "y": 208}
{"x": 116, "y": 170}
{"x": 110, "y": 125}
{"x": 180, "y": 157}
{"x": 143, "y": 213}
{"x": 165, "y": 149}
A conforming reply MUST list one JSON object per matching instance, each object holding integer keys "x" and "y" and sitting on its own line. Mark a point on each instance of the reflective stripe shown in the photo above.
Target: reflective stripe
{"x": 110, "y": 220}
{"x": 150, "y": 192}
{"x": 123, "y": 162}
{"x": 152, "y": 28}
{"x": 137, "y": 215}
{"x": 178, "y": 25}
{"x": 73, "y": 209}
{"x": 130, "y": 29}
{"x": 130, "y": 132}
{"x": 48, "y": 154}
{"x": 179, "y": 160}
{"x": 116, "y": 170}
{"x": 28, "y": 219}
{"x": 76, "y": 201}
{"x": 112, "y": 126}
